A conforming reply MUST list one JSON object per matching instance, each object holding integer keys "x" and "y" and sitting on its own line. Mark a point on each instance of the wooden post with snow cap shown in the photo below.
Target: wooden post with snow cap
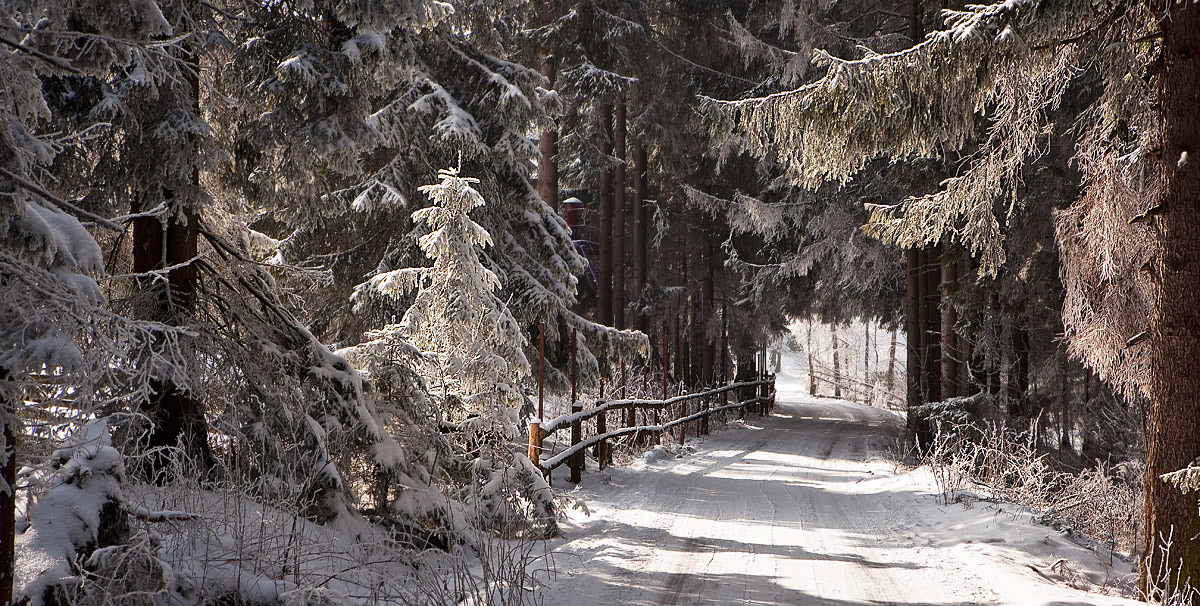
{"x": 535, "y": 444}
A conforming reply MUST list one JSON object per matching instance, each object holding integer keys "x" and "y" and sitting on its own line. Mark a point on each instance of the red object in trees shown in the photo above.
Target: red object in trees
{"x": 572, "y": 211}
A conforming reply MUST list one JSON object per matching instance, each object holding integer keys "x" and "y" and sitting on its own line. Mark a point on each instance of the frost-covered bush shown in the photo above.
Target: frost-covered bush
{"x": 1102, "y": 503}
{"x": 74, "y": 536}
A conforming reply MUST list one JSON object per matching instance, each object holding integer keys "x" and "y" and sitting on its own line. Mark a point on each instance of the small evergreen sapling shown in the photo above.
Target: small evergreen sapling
{"x": 471, "y": 342}
{"x": 472, "y": 349}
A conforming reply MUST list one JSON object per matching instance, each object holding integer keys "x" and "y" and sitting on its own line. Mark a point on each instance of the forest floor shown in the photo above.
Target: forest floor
{"x": 809, "y": 507}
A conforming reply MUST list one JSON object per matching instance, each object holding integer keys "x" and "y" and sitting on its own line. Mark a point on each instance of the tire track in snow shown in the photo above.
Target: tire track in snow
{"x": 767, "y": 515}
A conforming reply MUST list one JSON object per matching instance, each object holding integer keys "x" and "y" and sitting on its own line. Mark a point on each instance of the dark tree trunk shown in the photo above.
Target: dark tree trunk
{"x": 965, "y": 388}
{"x": 604, "y": 312}
{"x": 933, "y": 324}
{"x": 685, "y": 308}
{"x": 812, "y": 373}
{"x": 1174, "y": 410}
{"x": 547, "y": 185}
{"x": 915, "y": 27}
{"x": 618, "y": 219}
{"x": 707, "y": 305}
{"x": 913, "y": 332}
{"x": 950, "y": 347}
{"x": 640, "y": 220}
{"x": 914, "y": 310}
{"x": 1064, "y": 436}
{"x": 724, "y": 340}
{"x": 8, "y": 492}
{"x": 680, "y": 369}
{"x": 965, "y": 272}
{"x": 1018, "y": 379}
{"x": 173, "y": 242}
{"x": 837, "y": 368}
{"x": 890, "y": 381}
{"x": 866, "y": 363}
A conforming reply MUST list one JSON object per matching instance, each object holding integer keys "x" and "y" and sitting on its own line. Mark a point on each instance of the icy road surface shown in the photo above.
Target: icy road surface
{"x": 803, "y": 508}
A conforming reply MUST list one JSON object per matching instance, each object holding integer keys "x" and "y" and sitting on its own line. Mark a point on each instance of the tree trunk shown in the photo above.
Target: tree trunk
{"x": 950, "y": 348}
{"x": 547, "y": 184}
{"x": 1064, "y": 436}
{"x": 964, "y": 344}
{"x": 812, "y": 374}
{"x": 933, "y": 324}
{"x": 837, "y": 369}
{"x": 604, "y": 312}
{"x": 1174, "y": 410}
{"x": 684, "y": 327}
{"x": 640, "y": 221}
{"x": 680, "y": 344}
{"x": 866, "y": 373}
{"x": 724, "y": 340}
{"x": 913, "y": 372}
{"x": 618, "y": 219}
{"x": 8, "y": 490}
{"x": 915, "y": 27}
{"x": 707, "y": 305}
{"x": 158, "y": 243}
{"x": 890, "y": 380}
{"x": 915, "y": 313}
{"x": 1018, "y": 379}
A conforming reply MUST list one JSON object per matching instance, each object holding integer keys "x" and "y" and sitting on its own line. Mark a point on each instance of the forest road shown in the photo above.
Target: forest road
{"x": 777, "y": 513}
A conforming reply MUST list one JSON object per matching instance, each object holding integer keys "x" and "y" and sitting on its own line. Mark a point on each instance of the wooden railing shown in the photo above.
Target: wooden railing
{"x": 757, "y": 397}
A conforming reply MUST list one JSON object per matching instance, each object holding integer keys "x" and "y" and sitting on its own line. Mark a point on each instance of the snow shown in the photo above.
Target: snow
{"x": 805, "y": 507}
{"x": 70, "y": 243}
{"x": 67, "y": 516}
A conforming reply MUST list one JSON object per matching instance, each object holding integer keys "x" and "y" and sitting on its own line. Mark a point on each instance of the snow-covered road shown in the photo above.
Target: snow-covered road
{"x": 803, "y": 508}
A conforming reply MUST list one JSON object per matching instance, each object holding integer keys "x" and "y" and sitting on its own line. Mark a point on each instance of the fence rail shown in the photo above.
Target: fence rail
{"x": 761, "y": 403}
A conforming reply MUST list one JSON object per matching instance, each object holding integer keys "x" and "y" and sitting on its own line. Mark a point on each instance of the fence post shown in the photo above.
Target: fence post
{"x": 601, "y": 429}
{"x": 535, "y": 444}
{"x": 684, "y": 411}
{"x": 576, "y": 438}
{"x": 704, "y": 419}
{"x": 624, "y": 396}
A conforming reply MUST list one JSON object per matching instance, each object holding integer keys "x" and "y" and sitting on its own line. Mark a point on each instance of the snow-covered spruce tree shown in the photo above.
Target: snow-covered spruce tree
{"x": 1009, "y": 62}
{"x": 471, "y": 349}
{"x": 456, "y": 318}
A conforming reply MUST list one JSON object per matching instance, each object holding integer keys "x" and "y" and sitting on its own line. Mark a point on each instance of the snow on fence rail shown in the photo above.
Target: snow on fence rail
{"x": 761, "y": 403}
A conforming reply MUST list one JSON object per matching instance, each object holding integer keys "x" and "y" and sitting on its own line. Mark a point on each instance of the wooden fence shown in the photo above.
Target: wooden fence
{"x": 756, "y": 396}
